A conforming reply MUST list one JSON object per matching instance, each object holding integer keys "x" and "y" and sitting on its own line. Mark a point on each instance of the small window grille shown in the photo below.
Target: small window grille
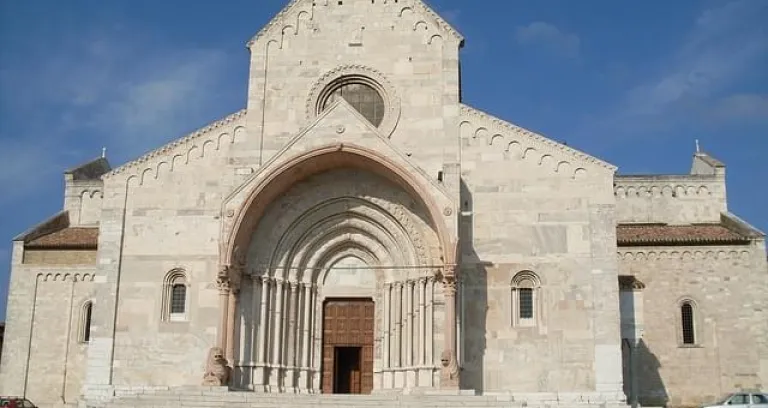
{"x": 526, "y": 303}
{"x": 689, "y": 335}
{"x": 86, "y": 329}
{"x": 178, "y": 299}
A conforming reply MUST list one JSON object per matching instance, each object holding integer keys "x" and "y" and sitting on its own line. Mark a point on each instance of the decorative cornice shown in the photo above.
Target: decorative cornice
{"x": 294, "y": 4}
{"x": 651, "y": 255}
{"x": 66, "y": 277}
{"x": 278, "y": 18}
{"x": 498, "y": 126}
{"x": 424, "y": 8}
{"x": 164, "y": 150}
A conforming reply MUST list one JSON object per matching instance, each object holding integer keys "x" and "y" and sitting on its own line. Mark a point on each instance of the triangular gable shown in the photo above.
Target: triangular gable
{"x": 340, "y": 123}
{"x": 481, "y": 128}
{"x": 289, "y": 16}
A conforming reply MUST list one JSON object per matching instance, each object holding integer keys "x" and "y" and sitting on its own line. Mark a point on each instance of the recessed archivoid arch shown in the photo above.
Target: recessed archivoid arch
{"x": 270, "y": 186}
{"x": 326, "y": 195}
{"x": 387, "y": 231}
{"x": 383, "y": 252}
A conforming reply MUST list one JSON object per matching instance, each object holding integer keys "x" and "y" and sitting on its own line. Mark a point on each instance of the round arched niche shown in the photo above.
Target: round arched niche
{"x": 279, "y": 180}
{"x": 366, "y": 89}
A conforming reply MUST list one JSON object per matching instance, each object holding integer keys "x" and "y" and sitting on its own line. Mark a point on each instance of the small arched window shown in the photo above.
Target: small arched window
{"x": 175, "y": 296}
{"x": 85, "y": 322}
{"x": 525, "y": 300}
{"x": 687, "y": 319}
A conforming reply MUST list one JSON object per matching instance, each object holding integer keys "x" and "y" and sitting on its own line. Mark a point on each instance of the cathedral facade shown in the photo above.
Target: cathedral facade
{"x": 357, "y": 229}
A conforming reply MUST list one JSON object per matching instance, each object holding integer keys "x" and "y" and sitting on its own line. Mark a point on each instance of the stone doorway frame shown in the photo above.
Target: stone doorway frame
{"x": 279, "y": 176}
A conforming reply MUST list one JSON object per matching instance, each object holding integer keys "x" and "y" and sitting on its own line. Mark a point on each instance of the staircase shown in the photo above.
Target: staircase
{"x": 210, "y": 397}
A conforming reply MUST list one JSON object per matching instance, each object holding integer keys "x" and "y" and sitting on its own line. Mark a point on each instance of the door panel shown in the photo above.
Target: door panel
{"x": 348, "y": 323}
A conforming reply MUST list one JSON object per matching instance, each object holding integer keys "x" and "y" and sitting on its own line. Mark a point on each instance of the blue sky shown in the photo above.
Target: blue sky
{"x": 633, "y": 83}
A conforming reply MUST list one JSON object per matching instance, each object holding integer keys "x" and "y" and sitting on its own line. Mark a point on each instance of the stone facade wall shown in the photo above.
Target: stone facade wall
{"x": 729, "y": 287}
{"x": 57, "y": 257}
{"x": 680, "y": 199}
{"x": 44, "y": 357}
{"x": 529, "y": 205}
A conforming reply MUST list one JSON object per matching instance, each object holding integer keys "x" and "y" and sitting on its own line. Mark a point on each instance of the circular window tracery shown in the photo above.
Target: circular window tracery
{"x": 364, "y": 98}
{"x": 367, "y": 90}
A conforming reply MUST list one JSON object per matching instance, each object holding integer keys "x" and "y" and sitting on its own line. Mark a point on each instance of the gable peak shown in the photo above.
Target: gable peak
{"x": 296, "y": 7}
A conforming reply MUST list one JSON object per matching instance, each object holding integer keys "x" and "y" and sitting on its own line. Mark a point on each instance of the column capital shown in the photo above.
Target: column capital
{"x": 265, "y": 279}
{"x": 449, "y": 284}
{"x": 294, "y": 286}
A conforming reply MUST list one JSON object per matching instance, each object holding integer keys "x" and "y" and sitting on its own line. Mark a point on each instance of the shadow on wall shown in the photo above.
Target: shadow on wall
{"x": 474, "y": 302}
{"x": 652, "y": 391}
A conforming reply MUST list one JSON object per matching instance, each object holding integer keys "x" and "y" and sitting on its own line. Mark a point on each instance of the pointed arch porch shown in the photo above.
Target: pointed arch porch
{"x": 370, "y": 237}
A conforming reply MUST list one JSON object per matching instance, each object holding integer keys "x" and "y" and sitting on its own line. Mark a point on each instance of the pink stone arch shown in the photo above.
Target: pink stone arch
{"x": 326, "y": 158}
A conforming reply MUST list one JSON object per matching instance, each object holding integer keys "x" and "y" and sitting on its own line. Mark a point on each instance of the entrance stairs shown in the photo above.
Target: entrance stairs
{"x": 208, "y": 398}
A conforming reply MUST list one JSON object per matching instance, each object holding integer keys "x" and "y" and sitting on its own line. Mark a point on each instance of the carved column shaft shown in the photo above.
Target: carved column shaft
{"x": 277, "y": 321}
{"x": 409, "y": 323}
{"x": 387, "y": 324}
{"x": 263, "y": 324}
{"x": 448, "y": 357}
{"x": 422, "y": 319}
{"x": 223, "y": 285}
{"x": 231, "y": 316}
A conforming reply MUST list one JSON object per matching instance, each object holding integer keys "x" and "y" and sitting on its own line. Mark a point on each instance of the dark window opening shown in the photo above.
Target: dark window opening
{"x": 689, "y": 336}
{"x": 178, "y": 298}
{"x": 366, "y": 100}
{"x": 526, "y": 303}
{"x": 87, "y": 322}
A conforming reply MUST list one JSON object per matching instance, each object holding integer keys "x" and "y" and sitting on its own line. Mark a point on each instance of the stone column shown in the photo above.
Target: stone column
{"x": 430, "y": 340}
{"x": 263, "y": 328}
{"x": 231, "y": 318}
{"x": 449, "y": 376}
{"x": 306, "y": 363}
{"x": 425, "y": 373}
{"x": 290, "y": 344}
{"x": 276, "y": 340}
{"x": 222, "y": 283}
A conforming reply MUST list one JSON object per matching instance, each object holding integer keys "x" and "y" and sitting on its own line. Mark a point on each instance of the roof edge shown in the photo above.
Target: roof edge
{"x": 539, "y": 138}
{"x": 54, "y": 223}
{"x": 177, "y": 142}
{"x": 738, "y": 225}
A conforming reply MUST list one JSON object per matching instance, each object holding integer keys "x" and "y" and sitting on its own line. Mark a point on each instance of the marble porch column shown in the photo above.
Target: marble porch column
{"x": 386, "y": 363}
{"x": 234, "y": 293}
{"x": 290, "y": 344}
{"x": 306, "y": 362}
{"x": 276, "y": 363}
{"x": 449, "y": 375}
{"x": 222, "y": 283}
{"x": 263, "y": 328}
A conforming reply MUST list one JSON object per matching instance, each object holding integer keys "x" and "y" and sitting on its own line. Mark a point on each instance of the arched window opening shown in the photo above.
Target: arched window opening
{"x": 361, "y": 95}
{"x": 85, "y": 322}
{"x": 178, "y": 298}
{"x": 175, "y": 296}
{"x": 526, "y": 303}
{"x": 689, "y": 326}
{"x": 525, "y": 299}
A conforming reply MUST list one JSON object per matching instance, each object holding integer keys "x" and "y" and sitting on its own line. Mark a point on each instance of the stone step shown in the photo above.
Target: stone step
{"x": 209, "y": 399}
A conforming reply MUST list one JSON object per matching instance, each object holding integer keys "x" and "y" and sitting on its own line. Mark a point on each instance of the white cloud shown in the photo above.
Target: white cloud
{"x": 111, "y": 90}
{"x": 542, "y": 34}
{"x": 723, "y": 45}
{"x": 742, "y": 106}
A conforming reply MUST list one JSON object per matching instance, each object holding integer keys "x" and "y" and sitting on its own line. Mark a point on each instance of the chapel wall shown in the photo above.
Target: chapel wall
{"x": 45, "y": 353}
{"x": 391, "y": 42}
{"x": 729, "y": 288}
{"x": 162, "y": 213}
{"x": 682, "y": 199}
{"x": 533, "y": 207}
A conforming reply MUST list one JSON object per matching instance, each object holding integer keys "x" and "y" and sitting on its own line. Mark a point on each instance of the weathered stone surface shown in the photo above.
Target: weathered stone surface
{"x": 263, "y": 215}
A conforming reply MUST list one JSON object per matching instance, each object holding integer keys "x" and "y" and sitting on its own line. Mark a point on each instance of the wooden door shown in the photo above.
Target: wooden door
{"x": 348, "y": 323}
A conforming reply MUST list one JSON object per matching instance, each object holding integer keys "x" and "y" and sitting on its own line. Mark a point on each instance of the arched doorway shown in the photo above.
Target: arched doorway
{"x": 340, "y": 228}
